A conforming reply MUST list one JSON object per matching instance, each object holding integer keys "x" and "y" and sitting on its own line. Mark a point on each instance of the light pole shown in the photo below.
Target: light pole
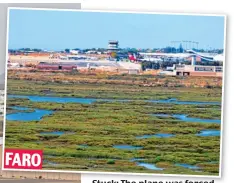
{"x": 193, "y": 45}
{"x": 177, "y": 42}
{"x": 171, "y": 46}
{"x": 190, "y": 44}
{"x": 197, "y": 45}
{"x": 185, "y": 44}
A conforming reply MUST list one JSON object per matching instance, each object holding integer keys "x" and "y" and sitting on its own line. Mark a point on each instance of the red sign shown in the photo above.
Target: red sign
{"x": 23, "y": 159}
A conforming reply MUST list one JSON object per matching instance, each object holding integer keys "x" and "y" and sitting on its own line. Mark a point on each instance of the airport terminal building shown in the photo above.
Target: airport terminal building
{"x": 196, "y": 70}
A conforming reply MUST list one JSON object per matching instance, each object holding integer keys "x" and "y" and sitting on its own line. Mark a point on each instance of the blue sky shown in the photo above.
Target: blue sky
{"x": 55, "y": 30}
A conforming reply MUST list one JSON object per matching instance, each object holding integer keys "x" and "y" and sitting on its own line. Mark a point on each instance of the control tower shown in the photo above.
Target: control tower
{"x": 113, "y": 46}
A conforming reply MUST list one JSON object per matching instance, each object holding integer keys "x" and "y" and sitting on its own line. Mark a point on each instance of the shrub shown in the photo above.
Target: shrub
{"x": 111, "y": 161}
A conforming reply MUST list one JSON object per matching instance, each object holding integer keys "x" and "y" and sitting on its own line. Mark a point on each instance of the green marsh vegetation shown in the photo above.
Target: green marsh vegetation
{"x": 93, "y": 129}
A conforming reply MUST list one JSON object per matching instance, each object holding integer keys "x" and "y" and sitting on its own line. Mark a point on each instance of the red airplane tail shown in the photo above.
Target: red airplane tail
{"x": 132, "y": 57}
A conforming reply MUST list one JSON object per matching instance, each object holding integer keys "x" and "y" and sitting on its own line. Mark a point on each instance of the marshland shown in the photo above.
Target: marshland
{"x": 119, "y": 123}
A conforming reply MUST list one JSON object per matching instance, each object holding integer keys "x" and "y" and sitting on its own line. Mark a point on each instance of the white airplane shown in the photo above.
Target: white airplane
{"x": 77, "y": 57}
{"x": 149, "y": 59}
{"x": 81, "y": 57}
{"x": 93, "y": 58}
{"x": 219, "y": 57}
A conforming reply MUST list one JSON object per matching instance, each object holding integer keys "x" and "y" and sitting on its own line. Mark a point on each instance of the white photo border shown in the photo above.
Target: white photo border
{"x": 118, "y": 173}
